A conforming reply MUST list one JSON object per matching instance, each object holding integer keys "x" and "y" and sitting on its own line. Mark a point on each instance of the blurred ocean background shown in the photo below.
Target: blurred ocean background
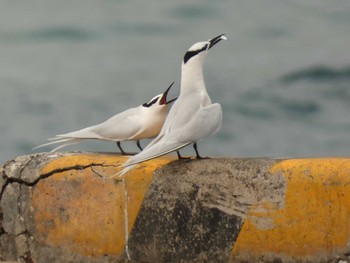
{"x": 283, "y": 78}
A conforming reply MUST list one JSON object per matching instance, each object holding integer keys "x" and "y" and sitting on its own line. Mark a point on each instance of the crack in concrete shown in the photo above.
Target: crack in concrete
{"x": 23, "y": 238}
{"x": 10, "y": 180}
{"x": 104, "y": 176}
{"x": 25, "y": 232}
{"x": 55, "y": 171}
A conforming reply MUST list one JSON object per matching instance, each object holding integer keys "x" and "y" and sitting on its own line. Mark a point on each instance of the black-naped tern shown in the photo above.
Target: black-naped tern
{"x": 135, "y": 124}
{"x": 193, "y": 116}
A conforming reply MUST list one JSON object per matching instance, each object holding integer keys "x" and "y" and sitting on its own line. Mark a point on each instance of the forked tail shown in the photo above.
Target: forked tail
{"x": 65, "y": 142}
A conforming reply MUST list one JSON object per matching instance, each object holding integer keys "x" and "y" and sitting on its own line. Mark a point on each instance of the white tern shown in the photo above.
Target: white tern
{"x": 134, "y": 124}
{"x": 193, "y": 116}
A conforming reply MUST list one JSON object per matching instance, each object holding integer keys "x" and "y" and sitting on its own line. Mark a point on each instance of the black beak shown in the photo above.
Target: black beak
{"x": 163, "y": 99}
{"x": 216, "y": 40}
{"x": 170, "y": 101}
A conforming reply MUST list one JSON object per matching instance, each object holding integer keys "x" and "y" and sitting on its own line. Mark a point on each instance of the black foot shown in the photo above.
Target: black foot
{"x": 197, "y": 153}
{"x": 180, "y": 157}
{"x": 200, "y": 157}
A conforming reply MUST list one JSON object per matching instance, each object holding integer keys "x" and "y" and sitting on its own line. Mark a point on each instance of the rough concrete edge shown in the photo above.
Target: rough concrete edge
{"x": 17, "y": 177}
{"x": 26, "y": 169}
{"x": 23, "y": 171}
{"x": 12, "y": 187}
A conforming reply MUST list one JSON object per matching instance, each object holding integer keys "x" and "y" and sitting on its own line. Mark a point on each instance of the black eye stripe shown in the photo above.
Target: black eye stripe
{"x": 190, "y": 54}
{"x": 149, "y": 104}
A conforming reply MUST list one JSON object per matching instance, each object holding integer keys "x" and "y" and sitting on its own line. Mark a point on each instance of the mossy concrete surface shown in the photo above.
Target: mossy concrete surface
{"x": 69, "y": 207}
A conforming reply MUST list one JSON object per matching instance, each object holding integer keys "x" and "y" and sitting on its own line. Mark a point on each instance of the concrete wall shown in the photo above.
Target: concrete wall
{"x": 64, "y": 207}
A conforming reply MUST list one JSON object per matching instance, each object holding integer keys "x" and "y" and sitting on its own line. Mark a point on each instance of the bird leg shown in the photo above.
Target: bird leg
{"x": 180, "y": 157}
{"x": 121, "y": 149}
{"x": 197, "y": 153}
{"x": 139, "y": 145}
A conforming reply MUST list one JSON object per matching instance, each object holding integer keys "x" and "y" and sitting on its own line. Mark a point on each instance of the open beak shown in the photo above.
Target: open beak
{"x": 170, "y": 101}
{"x": 216, "y": 40}
{"x": 163, "y": 99}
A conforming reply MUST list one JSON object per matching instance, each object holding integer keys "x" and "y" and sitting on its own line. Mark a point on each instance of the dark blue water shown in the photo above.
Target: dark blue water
{"x": 283, "y": 78}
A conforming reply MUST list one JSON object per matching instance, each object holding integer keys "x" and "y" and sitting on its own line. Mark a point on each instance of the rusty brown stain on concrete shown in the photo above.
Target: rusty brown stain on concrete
{"x": 82, "y": 209}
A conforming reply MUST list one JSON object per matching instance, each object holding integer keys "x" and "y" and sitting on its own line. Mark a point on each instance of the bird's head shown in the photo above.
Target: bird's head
{"x": 160, "y": 101}
{"x": 199, "y": 50}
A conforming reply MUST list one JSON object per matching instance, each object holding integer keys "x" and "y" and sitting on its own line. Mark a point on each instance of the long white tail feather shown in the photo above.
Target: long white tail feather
{"x": 86, "y": 133}
{"x": 60, "y": 140}
{"x": 66, "y": 142}
{"x": 149, "y": 154}
{"x": 57, "y": 138}
{"x": 152, "y": 156}
{"x": 124, "y": 171}
{"x": 71, "y": 142}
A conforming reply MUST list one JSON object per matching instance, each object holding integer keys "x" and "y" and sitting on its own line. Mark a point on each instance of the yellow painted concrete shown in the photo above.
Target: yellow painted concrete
{"x": 315, "y": 219}
{"x": 79, "y": 210}
{"x": 82, "y": 211}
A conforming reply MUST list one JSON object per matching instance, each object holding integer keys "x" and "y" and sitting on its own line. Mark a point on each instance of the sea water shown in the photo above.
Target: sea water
{"x": 283, "y": 78}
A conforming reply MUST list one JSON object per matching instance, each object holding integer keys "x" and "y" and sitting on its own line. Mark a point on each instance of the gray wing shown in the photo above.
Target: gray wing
{"x": 203, "y": 123}
{"x": 117, "y": 128}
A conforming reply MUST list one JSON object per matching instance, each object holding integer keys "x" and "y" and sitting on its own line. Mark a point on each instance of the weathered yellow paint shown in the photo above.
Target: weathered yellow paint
{"x": 83, "y": 160}
{"x": 315, "y": 219}
{"x": 82, "y": 211}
